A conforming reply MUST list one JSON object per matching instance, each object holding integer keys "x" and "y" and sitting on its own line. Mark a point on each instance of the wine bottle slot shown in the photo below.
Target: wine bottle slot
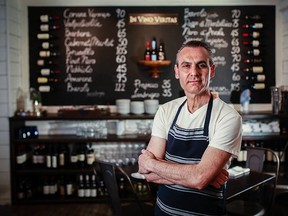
{"x": 254, "y": 69}
{"x": 259, "y": 86}
{"x": 46, "y": 27}
{"x": 253, "y": 17}
{"x": 47, "y": 72}
{"x": 253, "y": 26}
{"x": 254, "y": 43}
{"x": 254, "y": 34}
{"x": 45, "y": 36}
{"x": 45, "y": 88}
{"x": 254, "y": 60}
{"x": 255, "y": 52}
{"x": 46, "y": 54}
{"x": 47, "y": 18}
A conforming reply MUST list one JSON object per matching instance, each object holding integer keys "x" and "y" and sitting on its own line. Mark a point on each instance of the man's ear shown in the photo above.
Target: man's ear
{"x": 212, "y": 72}
{"x": 176, "y": 71}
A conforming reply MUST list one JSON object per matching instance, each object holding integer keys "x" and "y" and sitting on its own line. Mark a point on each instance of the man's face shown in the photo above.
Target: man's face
{"x": 194, "y": 70}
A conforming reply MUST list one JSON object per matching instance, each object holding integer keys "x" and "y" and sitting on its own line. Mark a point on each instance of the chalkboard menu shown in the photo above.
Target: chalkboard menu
{"x": 90, "y": 55}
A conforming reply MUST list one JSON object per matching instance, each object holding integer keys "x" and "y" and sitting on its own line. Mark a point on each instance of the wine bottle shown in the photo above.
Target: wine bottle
{"x": 47, "y": 18}
{"x": 258, "y": 86}
{"x": 47, "y": 45}
{"x": 42, "y": 62}
{"x": 45, "y": 88}
{"x": 21, "y": 157}
{"x": 90, "y": 156}
{"x": 49, "y": 158}
{"x": 255, "y": 52}
{"x": 254, "y": 43}
{"x": 46, "y": 27}
{"x": 147, "y": 53}
{"x": 81, "y": 156}
{"x": 253, "y": 60}
{"x": 254, "y": 34}
{"x": 35, "y": 155}
{"x": 45, "y": 186}
{"x": 258, "y": 78}
{"x": 47, "y": 53}
{"x": 41, "y": 155}
{"x": 74, "y": 157}
{"x": 87, "y": 186}
{"x": 93, "y": 186}
{"x": 161, "y": 52}
{"x": 62, "y": 156}
{"x": 55, "y": 158}
{"x": 47, "y": 80}
{"x": 45, "y": 36}
{"x": 81, "y": 188}
{"x": 253, "y": 26}
{"x": 254, "y": 69}
{"x": 154, "y": 50}
{"x": 47, "y": 71}
{"x": 69, "y": 187}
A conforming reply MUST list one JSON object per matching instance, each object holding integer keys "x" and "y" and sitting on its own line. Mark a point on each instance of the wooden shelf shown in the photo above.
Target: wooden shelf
{"x": 155, "y": 65}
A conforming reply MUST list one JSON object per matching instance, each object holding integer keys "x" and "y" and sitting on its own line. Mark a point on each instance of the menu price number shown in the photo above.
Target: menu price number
{"x": 121, "y": 52}
{"x": 235, "y": 51}
{"x": 167, "y": 88}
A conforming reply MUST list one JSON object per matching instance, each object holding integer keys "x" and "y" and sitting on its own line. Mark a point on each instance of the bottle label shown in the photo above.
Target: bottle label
{"x": 257, "y": 69}
{"x": 73, "y": 158}
{"x": 44, "y": 27}
{"x": 80, "y": 192}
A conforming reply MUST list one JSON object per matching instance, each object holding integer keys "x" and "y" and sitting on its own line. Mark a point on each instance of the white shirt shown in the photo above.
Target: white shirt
{"x": 225, "y": 127}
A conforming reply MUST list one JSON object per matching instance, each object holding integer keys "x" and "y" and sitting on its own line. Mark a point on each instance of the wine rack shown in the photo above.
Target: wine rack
{"x": 61, "y": 168}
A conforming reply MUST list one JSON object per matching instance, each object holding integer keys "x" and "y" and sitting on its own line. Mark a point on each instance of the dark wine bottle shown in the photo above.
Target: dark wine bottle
{"x": 147, "y": 53}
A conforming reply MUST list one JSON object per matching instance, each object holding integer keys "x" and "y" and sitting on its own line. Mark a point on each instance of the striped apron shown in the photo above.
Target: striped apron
{"x": 186, "y": 146}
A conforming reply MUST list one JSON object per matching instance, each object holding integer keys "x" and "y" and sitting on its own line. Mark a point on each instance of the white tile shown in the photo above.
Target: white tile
{"x": 4, "y": 153}
{"x": 4, "y": 124}
{"x": 2, "y": 13}
{"x": 4, "y": 96}
{"x": 15, "y": 69}
{"x": 2, "y": 40}
{"x": 4, "y": 165}
{"x": 14, "y": 28}
{"x": 3, "y": 82}
{"x": 14, "y": 41}
{"x": 3, "y": 53}
{"x": 4, "y": 110}
{"x": 4, "y": 178}
{"x": 4, "y": 137}
{"x": 3, "y": 68}
{"x": 15, "y": 55}
{"x": 15, "y": 80}
{"x": 3, "y": 26}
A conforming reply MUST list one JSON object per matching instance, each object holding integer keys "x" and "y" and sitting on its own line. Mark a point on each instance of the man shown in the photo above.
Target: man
{"x": 193, "y": 141}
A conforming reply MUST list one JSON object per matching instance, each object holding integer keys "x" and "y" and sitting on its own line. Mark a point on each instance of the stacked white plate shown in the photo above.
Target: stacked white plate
{"x": 123, "y": 106}
{"x": 137, "y": 107}
{"x": 151, "y": 106}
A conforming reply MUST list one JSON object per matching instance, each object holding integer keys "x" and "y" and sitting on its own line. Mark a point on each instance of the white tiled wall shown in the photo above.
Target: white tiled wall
{"x": 12, "y": 76}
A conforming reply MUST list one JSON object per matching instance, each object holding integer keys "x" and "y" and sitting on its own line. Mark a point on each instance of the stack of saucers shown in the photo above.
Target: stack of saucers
{"x": 151, "y": 106}
{"x": 137, "y": 107}
{"x": 123, "y": 106}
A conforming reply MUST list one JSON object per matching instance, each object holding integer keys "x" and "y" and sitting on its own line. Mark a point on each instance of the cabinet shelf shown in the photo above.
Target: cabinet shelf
{"x": 79, "y": 139}
{"x": 36, "y": 175}
{"x": 154, "y": 65}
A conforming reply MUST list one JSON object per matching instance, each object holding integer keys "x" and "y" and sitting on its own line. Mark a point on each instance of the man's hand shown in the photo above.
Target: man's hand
{"x": 144, "y": 161}
{"x": 222, "y": 177}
